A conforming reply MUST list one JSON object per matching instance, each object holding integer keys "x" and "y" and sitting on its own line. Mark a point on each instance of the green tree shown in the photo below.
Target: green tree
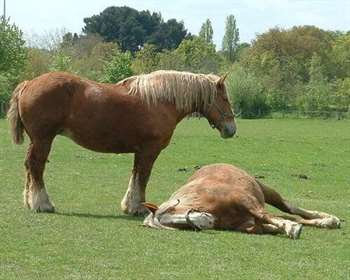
{"x": 199, "y": 56}
{"x": 12, "y": 51}
{"x": 282, "y": 59}
{"x": 13, "y": 57}
{"x": 168, "y": 35}
{"x": 206, "y": 32}
{"x": 316, "y": 69}
{"x": 340, "y": 56}
{"x": 131, "y": 29}
{"x": 318, "y": 91}
{"x": 231, "y": 38}
{"x": 292, "y": 48}
{"x": 117, "y": 68}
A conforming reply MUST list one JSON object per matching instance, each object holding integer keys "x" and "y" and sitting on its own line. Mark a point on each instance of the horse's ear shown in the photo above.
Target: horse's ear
{"x": 150, "y": 207}
{"x": 222, "y": 79}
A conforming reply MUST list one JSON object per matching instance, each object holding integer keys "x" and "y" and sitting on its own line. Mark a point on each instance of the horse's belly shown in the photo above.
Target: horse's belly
{"x": 104, "y": 143}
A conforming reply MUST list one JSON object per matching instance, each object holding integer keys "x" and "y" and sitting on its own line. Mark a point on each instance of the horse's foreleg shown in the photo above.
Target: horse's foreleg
{"x": 290, "y": 228}
{"x": 35, "y": 195}
{"x": 135, "y": 194}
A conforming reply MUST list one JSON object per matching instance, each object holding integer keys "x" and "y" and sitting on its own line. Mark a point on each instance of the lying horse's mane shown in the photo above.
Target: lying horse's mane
{"x": 185, "y": 90}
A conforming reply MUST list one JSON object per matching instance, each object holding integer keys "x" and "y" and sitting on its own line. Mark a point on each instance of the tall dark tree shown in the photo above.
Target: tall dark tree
{"x": 231, "y": 38}
{"x": 132, "y": 29}
{"x": 168, "y": 35}
{"x": 206, "y": 32}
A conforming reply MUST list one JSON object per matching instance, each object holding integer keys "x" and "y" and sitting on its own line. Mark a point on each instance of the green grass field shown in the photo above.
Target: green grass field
{"x": 90, "y": 238}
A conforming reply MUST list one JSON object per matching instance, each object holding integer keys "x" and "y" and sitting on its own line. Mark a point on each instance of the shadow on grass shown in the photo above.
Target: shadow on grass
{"x": 141, "y": 218}
{"x": 99, "y": 216}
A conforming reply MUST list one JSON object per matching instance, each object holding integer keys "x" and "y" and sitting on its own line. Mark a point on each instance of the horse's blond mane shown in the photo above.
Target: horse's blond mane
{"x": 186, "y": 90}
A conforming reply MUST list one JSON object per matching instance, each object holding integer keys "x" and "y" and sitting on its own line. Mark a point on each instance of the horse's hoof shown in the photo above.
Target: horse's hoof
{"x": 295, "y": 231}
{"x": 330, "y": 222}
{"x": 138, "y": 211}
{"x": 45, "y": 209}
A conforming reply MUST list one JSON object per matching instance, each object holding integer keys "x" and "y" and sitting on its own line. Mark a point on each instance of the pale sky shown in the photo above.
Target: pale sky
{"x": 253, "y": 16}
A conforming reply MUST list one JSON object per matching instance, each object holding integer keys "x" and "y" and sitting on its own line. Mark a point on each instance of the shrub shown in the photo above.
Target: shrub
{"x": 118, "y": 68}
{"x": 61, "y": 62}
{"x": 248, "y": 94}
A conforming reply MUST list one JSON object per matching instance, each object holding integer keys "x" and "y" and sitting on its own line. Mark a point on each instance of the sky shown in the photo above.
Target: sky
{"x": 253, "y": 16}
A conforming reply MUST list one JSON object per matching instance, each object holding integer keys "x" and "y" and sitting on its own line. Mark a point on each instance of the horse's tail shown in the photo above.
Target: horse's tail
{"x": 16, "y": 124}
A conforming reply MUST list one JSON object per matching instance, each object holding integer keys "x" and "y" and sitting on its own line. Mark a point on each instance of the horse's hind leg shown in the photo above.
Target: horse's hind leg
{"x": 324, "y": 220}
{"x": 35, "y": 195}
{"x": 260, "y": 219}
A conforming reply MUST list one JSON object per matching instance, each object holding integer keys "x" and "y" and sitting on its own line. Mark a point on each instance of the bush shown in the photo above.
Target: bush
{"x": 316, "y": 98}
{"x": 118, "y": 68}
{"x": 61, "y": 62}
{"x": 248, "y": 94}
{"x": 171, "y": 60}
{"x": 5, "y": 91}
{"x": 341, "y": 97}
{"x": 146, "y": 60}
{"x": 38, "y": 63}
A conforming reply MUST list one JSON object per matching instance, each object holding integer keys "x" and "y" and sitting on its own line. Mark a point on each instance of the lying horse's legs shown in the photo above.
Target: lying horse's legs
{"x": 276, "y": 224}
{"x": 323, "y": 222}
{"x": 320, "y": 218}
{"x": 135, "y": 194}
{"x": 260, "y": 228}
{"x": 35, "y": 196}
{"x": 265, "y": 222}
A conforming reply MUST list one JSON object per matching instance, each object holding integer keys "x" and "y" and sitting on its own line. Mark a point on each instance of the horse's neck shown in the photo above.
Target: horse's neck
{"x": 184, "y": 114}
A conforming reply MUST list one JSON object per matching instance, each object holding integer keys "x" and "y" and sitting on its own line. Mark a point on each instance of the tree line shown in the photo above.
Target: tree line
{"x": 304, "y": 68}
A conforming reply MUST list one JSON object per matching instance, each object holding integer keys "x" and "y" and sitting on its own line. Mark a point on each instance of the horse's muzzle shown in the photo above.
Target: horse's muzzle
{"x": 228, "y": 130}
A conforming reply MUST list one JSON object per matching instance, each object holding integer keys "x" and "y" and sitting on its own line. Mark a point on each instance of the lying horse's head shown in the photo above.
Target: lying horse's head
{"x": 219, "y": 112}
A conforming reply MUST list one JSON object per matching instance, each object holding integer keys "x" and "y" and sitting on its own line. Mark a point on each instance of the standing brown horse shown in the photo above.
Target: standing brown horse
{"x": 137, "y": 115}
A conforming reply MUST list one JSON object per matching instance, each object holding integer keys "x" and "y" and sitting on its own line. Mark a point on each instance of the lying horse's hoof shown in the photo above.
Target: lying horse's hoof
{"x": 295, "y": 231}
{"x": 330, "y": 222}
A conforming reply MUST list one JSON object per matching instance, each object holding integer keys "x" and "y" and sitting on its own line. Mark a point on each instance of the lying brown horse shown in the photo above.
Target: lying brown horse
{"x": 137, "y": 115}
{"x": 222, "y": 196}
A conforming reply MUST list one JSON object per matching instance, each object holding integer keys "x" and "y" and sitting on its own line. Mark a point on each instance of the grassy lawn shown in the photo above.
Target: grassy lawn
{"x": 89, "y": 237}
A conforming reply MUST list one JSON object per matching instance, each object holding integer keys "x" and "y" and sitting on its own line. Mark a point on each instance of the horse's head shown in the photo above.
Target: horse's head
{"x": 219, "y": 113}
